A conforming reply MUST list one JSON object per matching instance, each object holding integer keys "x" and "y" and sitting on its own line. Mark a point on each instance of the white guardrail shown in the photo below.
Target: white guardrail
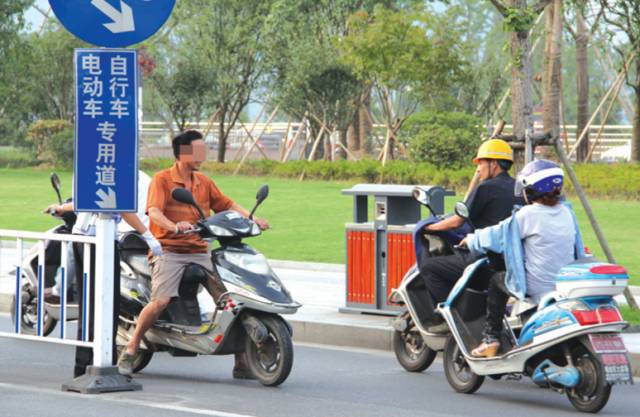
{"x": 21, "y": 276}
{"x": 614, "y": 142}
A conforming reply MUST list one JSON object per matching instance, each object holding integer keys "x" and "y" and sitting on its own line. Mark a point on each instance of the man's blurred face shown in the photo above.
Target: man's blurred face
{"x": 484, "y": 169}
{"x": 193, "y": 155}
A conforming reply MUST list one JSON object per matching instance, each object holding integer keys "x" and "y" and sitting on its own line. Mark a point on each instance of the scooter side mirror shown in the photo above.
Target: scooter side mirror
{"x": 421, "y": 196}
{"x": 184, "y": 196}
{"x": 55, "y": 183}
{"x": 462, "y": 210}
{"x": 262, "y": 194}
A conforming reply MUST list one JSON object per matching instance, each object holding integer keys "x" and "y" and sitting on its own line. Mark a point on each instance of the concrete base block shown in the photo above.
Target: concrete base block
{"x": 102, "y": 380}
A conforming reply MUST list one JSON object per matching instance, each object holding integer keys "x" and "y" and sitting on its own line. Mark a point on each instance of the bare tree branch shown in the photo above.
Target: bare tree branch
{"x": 539, "y": 7}
{"x": 502, "y": 9}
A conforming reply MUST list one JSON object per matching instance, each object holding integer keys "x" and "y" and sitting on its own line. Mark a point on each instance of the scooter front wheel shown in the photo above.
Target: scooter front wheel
{"x": 29, "y": 314}
{"x": 272, "y": 360}
{"x": 411, "y": 351}
{"x": 459, "y": 375}
{"x": 593, "y": 391}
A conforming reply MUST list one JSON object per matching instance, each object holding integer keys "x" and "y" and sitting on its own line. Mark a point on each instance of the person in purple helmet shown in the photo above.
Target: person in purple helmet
{"x": 548, "y": 233}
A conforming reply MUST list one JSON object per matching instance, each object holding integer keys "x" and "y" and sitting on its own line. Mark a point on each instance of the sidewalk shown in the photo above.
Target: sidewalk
{"x": 321, "y": 290}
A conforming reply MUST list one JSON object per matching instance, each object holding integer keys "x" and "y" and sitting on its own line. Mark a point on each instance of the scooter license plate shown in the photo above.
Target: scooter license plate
{"x": 613, "y": 356}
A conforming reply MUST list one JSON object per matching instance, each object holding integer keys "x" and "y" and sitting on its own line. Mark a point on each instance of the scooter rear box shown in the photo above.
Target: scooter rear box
{"x": 588, "y": 278}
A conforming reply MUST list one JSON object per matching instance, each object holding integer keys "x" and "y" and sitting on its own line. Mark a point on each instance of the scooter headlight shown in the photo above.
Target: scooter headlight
{"x": 253, "y": 263}
{"x": 219, "y": 231}
{"x": 246, "y": 292}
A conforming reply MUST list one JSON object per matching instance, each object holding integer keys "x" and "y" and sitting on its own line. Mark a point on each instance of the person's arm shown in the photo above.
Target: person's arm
{"x": 134, "y": 221}
{"x": 156, "y": 215}
{"x": 59, "y": 208}
{"x": 450, "y": 223}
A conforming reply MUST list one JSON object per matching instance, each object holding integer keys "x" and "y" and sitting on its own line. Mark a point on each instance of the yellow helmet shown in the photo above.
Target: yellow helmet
{"x": 494, "y": 149}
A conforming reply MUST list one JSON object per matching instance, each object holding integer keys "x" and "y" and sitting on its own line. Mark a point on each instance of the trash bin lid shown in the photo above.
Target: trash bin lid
{"x": 391, "y": 190}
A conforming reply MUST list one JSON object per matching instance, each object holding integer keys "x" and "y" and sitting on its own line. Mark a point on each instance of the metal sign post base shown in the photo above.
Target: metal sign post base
{"x": 101, "y": 380}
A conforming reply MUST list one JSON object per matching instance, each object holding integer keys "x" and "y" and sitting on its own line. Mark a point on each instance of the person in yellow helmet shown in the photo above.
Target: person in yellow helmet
{"x": 489, "y": 203}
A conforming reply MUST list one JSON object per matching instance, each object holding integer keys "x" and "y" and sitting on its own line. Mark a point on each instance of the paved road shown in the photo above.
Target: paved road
{"x": 324, "y": 382}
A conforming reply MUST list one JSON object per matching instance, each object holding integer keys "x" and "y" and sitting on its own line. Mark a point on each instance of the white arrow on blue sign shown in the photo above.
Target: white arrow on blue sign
{"x": 112, "y": 23}
{"x": 106, "y": 151}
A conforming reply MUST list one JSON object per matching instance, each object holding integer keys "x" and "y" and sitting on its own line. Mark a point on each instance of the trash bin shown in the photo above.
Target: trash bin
{"x": 379, "y": 252}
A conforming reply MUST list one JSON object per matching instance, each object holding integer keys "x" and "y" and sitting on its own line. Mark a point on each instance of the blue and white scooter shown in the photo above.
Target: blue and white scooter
{"x": 569, "y": 342}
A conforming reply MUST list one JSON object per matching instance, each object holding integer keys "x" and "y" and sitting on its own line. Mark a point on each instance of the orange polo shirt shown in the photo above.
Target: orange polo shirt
{"x": 206, "y": 194}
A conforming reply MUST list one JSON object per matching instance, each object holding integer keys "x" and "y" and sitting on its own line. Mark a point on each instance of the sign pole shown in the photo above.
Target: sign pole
{"x": 103, "y": 323}
{"x": 106, "y": 148}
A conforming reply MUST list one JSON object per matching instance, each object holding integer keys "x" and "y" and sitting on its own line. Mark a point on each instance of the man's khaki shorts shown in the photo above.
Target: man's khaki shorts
{"x": 167, "y": 270}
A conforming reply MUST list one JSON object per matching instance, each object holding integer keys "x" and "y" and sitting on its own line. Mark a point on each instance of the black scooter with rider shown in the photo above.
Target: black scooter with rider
{"x": 489, "y": 203}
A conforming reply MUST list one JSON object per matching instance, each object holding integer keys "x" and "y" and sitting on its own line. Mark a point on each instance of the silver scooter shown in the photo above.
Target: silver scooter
{"x": 247, "y": 317}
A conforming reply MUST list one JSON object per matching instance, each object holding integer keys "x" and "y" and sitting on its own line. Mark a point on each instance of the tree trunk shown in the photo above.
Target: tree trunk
{"x": 222, "y": 137}
{"x": 342, "y": 138}
{"x": 353, "y": 134}
{"x": 635, "y": 141}
{"x": 521, "y": 88}
{"x": 553, "y": 63}
{"x": 326, "y": 139}
{"x": 582, "y": 84}
{"x": 365, "y": 125}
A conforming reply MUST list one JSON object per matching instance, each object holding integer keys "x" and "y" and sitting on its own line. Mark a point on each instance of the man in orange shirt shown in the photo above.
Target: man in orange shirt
{"x": 168, "y": 219}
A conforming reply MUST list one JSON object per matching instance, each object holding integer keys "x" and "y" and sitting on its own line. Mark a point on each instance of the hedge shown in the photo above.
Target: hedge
{"x": 614, "y": 181}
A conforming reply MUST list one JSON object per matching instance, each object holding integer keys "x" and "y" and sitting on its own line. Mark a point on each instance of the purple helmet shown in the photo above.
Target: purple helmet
{"x": 539, "y": 177}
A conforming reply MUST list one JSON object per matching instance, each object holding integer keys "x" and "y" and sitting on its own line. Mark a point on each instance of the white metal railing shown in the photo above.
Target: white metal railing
{"x": 65, "y": 240}
{"x": 157, "y": 135}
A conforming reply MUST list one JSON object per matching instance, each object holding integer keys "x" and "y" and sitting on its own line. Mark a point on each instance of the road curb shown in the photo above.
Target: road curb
{"x": 307, "y": 266}
{"x": 366, "y": 337}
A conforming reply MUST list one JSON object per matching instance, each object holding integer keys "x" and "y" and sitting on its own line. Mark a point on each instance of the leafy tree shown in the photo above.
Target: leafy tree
{"x": 407, "y": 56}
{"x": 11, "y": 58}
{"x": 624, "y": 17}
{"x": 225, "y": 39}
{"x": 444, "y": 139}
{"x": 307, "y": 79}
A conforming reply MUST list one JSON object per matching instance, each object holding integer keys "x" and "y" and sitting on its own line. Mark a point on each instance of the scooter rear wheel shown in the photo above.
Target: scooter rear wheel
{"x": 592, "y": 394}
{"x": 457, "y": 370}
{"x": 271, "y": 362}
{"x": 411, "y": 351}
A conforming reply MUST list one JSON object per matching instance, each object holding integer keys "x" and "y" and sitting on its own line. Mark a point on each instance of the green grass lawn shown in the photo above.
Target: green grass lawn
{"x": 307, "y": 217}
{"x": 632, "y": 316}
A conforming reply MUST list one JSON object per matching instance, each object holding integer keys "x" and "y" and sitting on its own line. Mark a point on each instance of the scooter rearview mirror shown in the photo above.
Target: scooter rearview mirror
{"x": 462, "y": 210}
{"x": 421, "y": 195}
{"x": 55, "y": 183}
{"x": 184, "y": 196}
{"x": 262, "y": 194}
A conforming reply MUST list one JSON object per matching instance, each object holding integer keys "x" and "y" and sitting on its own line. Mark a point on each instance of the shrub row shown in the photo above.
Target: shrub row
{"x": 615, "y": 181}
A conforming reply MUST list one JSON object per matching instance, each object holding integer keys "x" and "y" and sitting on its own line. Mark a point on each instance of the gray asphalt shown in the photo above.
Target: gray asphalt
{"x": 324, "y": 382}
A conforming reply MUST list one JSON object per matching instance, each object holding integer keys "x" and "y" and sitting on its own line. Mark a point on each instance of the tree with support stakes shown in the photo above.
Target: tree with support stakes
{"x": 624, "y": 16}
{"x": 519, "y": 17}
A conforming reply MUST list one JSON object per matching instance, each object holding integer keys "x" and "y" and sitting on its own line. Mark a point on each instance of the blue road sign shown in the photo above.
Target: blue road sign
{"x": 112, "y": 23}
{"x": 106, "y": 152}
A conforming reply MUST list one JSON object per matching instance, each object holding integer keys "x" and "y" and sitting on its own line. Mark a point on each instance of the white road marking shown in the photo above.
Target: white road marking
{"x": 120, "y": 400}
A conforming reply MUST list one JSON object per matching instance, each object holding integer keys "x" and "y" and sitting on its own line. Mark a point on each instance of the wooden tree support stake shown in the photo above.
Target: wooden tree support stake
{"x": 592, "y": 219}
{"x": 255, "y": 141}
